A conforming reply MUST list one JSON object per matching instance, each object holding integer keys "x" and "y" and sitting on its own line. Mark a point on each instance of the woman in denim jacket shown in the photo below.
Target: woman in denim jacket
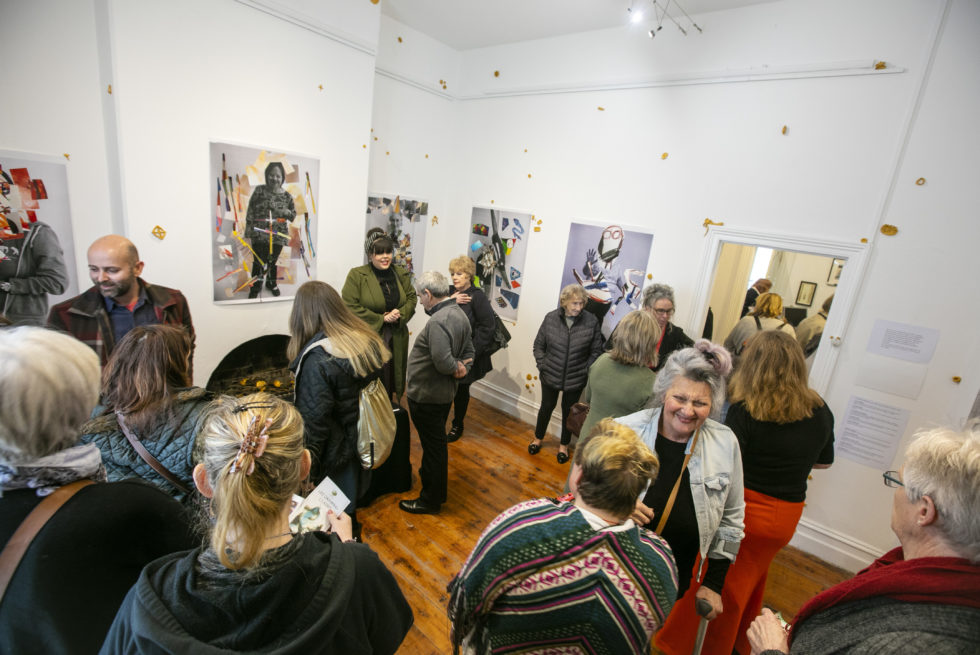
{"x": 705, "y": 523}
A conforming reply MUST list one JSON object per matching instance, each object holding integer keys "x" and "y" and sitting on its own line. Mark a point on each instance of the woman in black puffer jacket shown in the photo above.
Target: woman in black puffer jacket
{"x": 568, "y": 341}
{"x": 334, "y": 354}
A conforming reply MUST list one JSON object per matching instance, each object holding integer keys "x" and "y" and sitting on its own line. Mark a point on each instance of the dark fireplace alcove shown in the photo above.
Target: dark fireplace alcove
{"x": 256, "y": 365}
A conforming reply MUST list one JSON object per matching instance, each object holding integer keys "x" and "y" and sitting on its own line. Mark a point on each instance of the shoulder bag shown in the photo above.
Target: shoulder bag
{"x": 24, "y": 535}
{"x": 154, "y": 463}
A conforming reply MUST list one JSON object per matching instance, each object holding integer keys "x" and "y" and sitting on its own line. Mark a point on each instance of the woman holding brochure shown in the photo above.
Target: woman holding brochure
{"x": 334, "y": 355}
{"x": 254, "y": 585}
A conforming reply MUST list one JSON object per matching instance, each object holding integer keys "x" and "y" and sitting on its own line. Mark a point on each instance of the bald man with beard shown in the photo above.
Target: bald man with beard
{"x": 119, "y": 299}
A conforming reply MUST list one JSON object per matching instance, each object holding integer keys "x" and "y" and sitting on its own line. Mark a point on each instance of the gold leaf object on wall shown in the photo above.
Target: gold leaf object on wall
{"x": 920, "y": 181}
{"x": 537, "y": 229}
{"x": 529, "y": 376}
{"x": 889, "y": 230}
{"x": 864, "y": 240}
{"x": 496, "y": 73}
{"x": 399, "y": 39}
{"x": 435, "y": 220}
{"x": 601, "y": 108}
{"x": 708, "y": 222}
{"x": 957, "y": 379}
{"x": 663, "y": 156}
{"x": 321, "y": 87}
{"x": 880, "y": 66}
{"x": 67, "y": 156}
{"x": 159, "y": 232}
{"x": 785, "y": 129}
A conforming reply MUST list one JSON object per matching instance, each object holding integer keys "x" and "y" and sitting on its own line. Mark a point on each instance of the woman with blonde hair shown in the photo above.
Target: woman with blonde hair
{"x": 334, "y": 355}
{"x": 767, "y": 315}
{"x": 150, "y": 417}
{"x": 550, "y": 575}
{"x": 784, "y": 430}
{"x": 483, "y": 323}
{"x": 254, "y": 585}
{"x": 621, "y": 380}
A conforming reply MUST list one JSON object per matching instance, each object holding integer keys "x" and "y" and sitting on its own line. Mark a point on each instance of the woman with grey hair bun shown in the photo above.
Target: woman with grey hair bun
{"x": 96, "y": 538}
{"x": 697, "y": 499}
{"x": 658, "y": 301}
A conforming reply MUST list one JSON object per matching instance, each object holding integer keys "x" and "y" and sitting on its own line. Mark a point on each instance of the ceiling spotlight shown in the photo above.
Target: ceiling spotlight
{"x": 636, "y": 15}
{"x": 653, "y": 33}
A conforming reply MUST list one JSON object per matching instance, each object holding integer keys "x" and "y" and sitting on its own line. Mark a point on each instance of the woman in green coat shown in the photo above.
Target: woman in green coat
{"x": 382, "y": 295}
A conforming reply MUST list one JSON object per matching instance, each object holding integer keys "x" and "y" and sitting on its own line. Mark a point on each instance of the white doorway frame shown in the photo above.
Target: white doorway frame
{"x": 857, "y": 256}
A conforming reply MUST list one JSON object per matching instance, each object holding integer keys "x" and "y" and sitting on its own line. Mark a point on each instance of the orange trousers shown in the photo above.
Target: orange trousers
{"x": 769, "y": 525}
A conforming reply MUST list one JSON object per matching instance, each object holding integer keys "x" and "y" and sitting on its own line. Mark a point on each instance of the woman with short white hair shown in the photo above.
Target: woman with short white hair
{"x": 921, "y": 597}
{"x": 70, "y": 578}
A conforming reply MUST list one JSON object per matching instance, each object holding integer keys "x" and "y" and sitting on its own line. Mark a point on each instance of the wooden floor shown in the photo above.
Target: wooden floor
{"x": 490, "y": 470}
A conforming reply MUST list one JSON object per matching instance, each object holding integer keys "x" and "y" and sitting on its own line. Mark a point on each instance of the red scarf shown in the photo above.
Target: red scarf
{"x": 938, "y": 580}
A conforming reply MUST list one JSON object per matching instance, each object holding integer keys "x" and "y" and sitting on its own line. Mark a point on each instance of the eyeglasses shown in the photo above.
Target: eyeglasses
{"x": 664, "y": 312}
{"x": 892, "y": 480}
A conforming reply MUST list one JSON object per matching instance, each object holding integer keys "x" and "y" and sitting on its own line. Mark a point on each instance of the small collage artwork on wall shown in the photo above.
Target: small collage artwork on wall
{"x": 611, "y": 263}
{"x": 263, "y": 222}
{"x": 498, "y": 245}
{"x": 404, "y": 220}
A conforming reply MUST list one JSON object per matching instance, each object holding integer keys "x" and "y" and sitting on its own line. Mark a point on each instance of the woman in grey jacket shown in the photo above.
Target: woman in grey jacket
{"x": 568, "y": 341}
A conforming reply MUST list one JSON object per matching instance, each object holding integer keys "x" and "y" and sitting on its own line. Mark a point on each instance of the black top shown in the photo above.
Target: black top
{"x": 389, "y": 286}
{"x": 312, "y": 595}
{"x": 681, "y": 530}
{"x": 80, "y": 565}
{"x": 777, "y": 458}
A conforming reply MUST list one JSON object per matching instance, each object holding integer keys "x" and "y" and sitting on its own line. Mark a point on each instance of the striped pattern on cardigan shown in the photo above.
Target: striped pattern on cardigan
{"x": 541, "y": 579}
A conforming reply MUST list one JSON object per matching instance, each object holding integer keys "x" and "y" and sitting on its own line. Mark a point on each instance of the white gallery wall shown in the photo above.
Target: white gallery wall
{"x": 715, "y": 103}
{"x": 187, "y": 73}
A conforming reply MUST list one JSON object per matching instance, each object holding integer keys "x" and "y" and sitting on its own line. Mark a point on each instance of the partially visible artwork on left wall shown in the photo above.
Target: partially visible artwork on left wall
{"x": 35, "y": 222}
{"x": 263, "y": 222}
{"x": 404, "y": 220}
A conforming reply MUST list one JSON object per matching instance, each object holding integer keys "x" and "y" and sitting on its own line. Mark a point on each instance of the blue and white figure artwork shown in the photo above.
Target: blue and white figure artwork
{"x": 498, "y": 245}
{"x": 611, "y": 263}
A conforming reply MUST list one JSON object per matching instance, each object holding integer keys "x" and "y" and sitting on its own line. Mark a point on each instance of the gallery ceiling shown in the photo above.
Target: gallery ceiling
{"x": 470, "y": 24}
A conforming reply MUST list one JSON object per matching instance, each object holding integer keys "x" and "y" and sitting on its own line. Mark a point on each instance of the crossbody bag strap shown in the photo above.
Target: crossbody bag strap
{"x": 677, "y": 485}
{"x": 321, "y": 343}
{"x": 22, "y": 538}
{"x": 150, "y": 459}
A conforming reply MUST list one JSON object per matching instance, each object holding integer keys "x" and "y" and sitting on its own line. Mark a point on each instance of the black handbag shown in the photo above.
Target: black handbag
{"x": 501, "y": 335}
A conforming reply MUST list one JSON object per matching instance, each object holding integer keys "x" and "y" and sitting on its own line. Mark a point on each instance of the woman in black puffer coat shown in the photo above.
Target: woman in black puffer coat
{"x": 334, "y": 354}
{"x": 568, "y": 341}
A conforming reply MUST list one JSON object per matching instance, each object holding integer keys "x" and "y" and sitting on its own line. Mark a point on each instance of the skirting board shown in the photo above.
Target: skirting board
{"x": 811, "y": 537}
{"x": 834, "y": 547}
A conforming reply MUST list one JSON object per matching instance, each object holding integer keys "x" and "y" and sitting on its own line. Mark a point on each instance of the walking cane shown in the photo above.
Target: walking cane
{"x": 704, "y": 609}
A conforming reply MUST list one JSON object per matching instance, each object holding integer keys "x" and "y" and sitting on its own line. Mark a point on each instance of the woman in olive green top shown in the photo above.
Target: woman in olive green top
{"x": 382, "y": 295}
{"x": 620, "y": 381}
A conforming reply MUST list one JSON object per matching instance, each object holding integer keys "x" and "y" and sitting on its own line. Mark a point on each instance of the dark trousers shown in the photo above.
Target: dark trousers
{"x": 460, "y": 403}
{"x": 430, "y": 423}
{"x": 549, "y": 398}
{"x": 270, "y": 269}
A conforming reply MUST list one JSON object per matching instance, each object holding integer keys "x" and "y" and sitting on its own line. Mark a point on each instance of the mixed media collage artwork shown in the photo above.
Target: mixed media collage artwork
{"x": 263, "y": 222}
{"x": 34, "y": 189}
{"x": 498, "y": 245}
{"x": 611, "y": 263}
{"x": 404, "y": 220}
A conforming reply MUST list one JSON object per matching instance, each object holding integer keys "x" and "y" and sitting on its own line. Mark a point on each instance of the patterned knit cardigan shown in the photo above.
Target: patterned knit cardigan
{"x": 542, "y": 579}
